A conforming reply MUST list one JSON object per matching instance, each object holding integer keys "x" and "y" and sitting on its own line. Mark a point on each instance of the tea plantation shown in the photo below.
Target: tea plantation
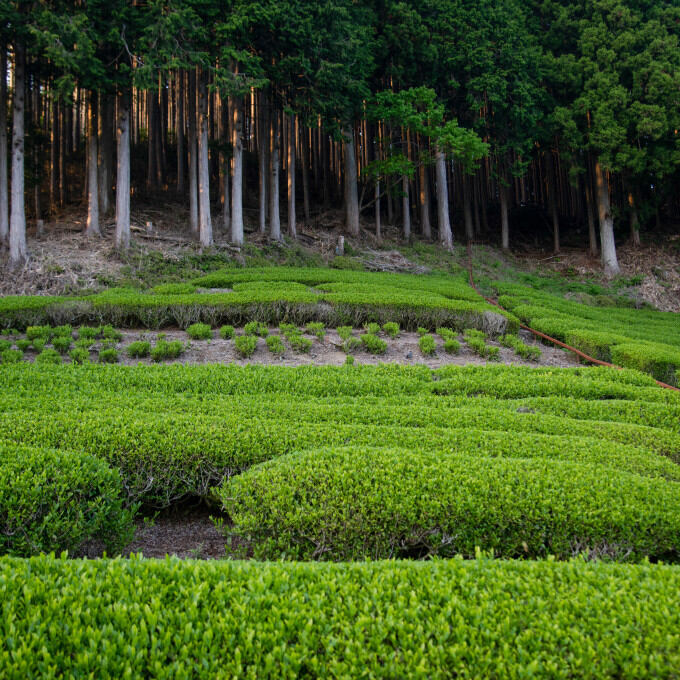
{"x": 383, "y": 521}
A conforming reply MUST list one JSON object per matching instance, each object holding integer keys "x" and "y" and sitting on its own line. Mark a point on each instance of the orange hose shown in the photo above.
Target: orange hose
{"x": 578, "y": 352}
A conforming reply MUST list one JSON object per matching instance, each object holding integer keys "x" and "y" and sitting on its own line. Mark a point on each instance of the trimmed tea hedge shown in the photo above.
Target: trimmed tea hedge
{"x": 270, "y": 296}
{"x": 56, "y": 500}
{"x": 347, "y": 504}
{"x": 442, "y": 619}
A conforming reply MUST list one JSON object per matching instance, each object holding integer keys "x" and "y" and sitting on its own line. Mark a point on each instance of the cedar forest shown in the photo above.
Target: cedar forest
{"x": 401, "y": 113}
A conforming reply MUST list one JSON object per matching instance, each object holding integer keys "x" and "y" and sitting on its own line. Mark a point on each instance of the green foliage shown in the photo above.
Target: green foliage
{"x": 372, "y": 328}
{"x": 89, "y": 332}
{"x": 39, "y": 332}
{"x": 57, "y": 500}
{"x": 256, "y": 328}
{"x": 23, "y": 344}
{"x": 527, "y": 352}
{"x": 662, "y": 362}
{"x": 178, "y": 430}
{"x": 227, "y": 332}
{"x": 427, "y": 345}
{"x": 48, "y": 356}
{"x": 349, "y": 360}
{"x": 391, "y": 329}
{"x": 568, "y": 614}
{"x": 65, "y": 331}
{"x": 317, "y": 328}
{"x": 275, "y": 345}
{"x": 245, "y": 345}
{"x": 346, "y": 504}
{"x": 167, "y": 350}
{"x": 446, "y": 333}
{"x": 110, "y": 333}
{"x": 84, "y": 343}
{"x": 451, "y": 346}
{"x": 5, "y": 344}
{"x": 11, "y": 356}
{"x": 199, "y": 331}
{"x": 422, "y": 331}
{"x": 373, "y": 344}
{"x": 108, "y": 356}
{"x": 62, "y": 343}
{"x": 38, "y": 344}
{"x": 352, "y": 344}
{"x": 299, "y": 343}
{"x": 138, "y": 349}
{"x": 79, "y": 355}
{"x": 345, "y": 332}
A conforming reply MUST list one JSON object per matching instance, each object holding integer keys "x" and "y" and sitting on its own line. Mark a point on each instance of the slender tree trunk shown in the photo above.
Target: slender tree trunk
{"x": 634, "y": 221}
{"x": 92, "y": 172}
{"x": 406, "y": 207}
{"x": 378, "y": 233}
{"x": 237, "y": 173}
{"x": 552, "y": 197}
{"x": 193, "y": 154}
{"x": 351, "y": 195}
{"x": 224, "y": 163}
{"x": 274, "y": 214}
{"x": 54, "y": 148}
{"x": 443, "y": 219}
{"x": 123, "y": 173}
{"x": 107, "y": 127}
{"x": 425, "y": 224}
{"x": 263, "y": 161}
{"x": 592, "y": 235}
{"x": 467, "y": 207}
{"x": 204, "y": 221}
{"x": 4, "y": 193}
{"x": 66, "y": 140}
{"x": 609, "y": 260}
{"x": 292, "y": 139}
{"x": 179, "y": 129}
{"x": 305, "y": 171}
{"x": 17, "y": 221}
{"x": 505, "y": 221}
{"x": 151, "y": 137}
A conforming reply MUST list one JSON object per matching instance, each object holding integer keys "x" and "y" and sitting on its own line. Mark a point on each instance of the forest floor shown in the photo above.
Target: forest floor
{"x": 63, "y": 261}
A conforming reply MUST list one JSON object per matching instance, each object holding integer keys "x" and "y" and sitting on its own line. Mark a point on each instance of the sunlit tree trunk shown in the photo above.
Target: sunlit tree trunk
{"x": 193, "y": 153}
{"x": 123, "y": 173}
{"x": 92, "y": 172}
{"x": 292, "y": 140}
{"x": 17, "y": 220}
{"x": 204, "y": 220}
{"x": 609, "y": 260}
{"x": 274, "y": 208}
{"x": 443, "y": 219}
{"x": 237, "y": 173}
{"x": 4, "y": 191}
{"x": 425, "y": 224}
{"x": 351, "y": 195}
{"x": 263, "y": 162}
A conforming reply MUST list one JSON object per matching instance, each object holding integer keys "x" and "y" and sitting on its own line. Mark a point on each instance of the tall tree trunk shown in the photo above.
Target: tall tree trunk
{"x": 467, "y": 207}
{"x": 224, "y": 163}
{"x": 634, "y": 221}
{"x": 150, "y": 137}
{"x": 66, "y": 140}
{"x": 505, "y": 221}
{"x": 378, "y": 226}
{"x": 305, "y": 144}
{"x": 405, "y": 208}
{"x": 443, "y": 219}
{"x": 54, "y": 148}
{"x": 204, "y": 221}
{"x": 193, "y": 153}
{"x": 179, "y": 129}
{"x": 274, "y": 214}
{"x": 292, "y": 140}
{"x": 237, "y": 173}
{"x": 4, "y": 193}
{"x": 263, "y": 161}
{"x": 552, "y": 198}
{"x": 123, "y": 173}
{"x": 609, "y": 260}
{"x": 92, "y": 173}
{"x": 107, "y": 127}
{"x": 351, "y": 194}
{"x": 425, "y": 224}
{"x": 17, "y": 221}
{"x": 592, "y": 235}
